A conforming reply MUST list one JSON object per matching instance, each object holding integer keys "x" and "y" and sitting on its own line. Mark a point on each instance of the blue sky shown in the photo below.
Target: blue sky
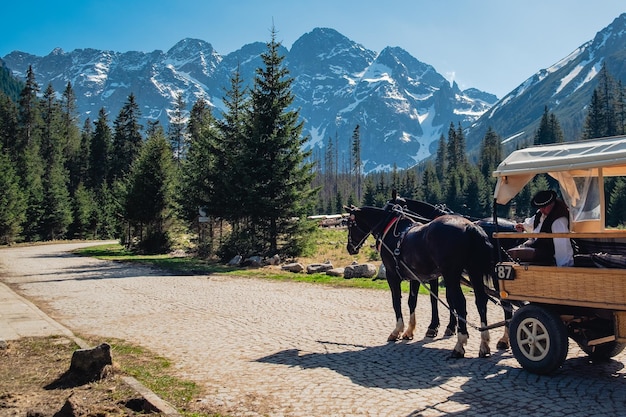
{"x": 492, "y": 45}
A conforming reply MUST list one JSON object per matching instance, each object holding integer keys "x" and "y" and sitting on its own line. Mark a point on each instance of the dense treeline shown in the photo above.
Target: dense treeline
{"x": 237, "y": 183}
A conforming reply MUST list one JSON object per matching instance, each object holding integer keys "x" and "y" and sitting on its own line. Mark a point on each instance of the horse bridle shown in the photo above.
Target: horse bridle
{"x": 353, "y": 223}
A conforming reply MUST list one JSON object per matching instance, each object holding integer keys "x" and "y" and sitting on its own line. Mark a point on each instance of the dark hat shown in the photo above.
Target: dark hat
{"x": 543, "y": 198}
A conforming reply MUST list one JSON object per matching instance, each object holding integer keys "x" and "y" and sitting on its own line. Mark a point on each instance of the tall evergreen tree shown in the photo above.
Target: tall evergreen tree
{"x": 441, "y": 158}
{"x": 549, "y": 130}
{"x": 231, "y": 160}
{"x": 12, "y": 201}
{"x": 199, "y": 166}
{"x": 8, "y": 125}
{"x": 28, "y": 157}
{"x": 28, "y": 117}
{"x": 57, "y": 213}
{"x": 176, "y": 131}
{"x": 127, "y": 138}
{"x": 456, "y": 152}
{"x": 149, "y": 203}
{"x": 490, "y": 153}
{"x": 277, "y": 167}
{"x": 84, "y": 214}
{"x": 100, "y": 155}
{"x": 605, "y": 109}
{"x": 81, "y": 167}
{"x": 71, "y": 136}
{"x": 430, "y": 185}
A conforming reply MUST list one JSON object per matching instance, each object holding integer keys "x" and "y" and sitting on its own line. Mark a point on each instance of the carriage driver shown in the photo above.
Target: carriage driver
{"x": 552, "y": 216}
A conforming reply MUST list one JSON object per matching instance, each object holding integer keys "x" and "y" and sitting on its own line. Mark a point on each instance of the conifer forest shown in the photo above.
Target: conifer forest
{"x": 235, "y": 183}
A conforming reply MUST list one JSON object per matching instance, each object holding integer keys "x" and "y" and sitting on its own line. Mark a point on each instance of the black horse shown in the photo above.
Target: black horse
{"x": 423, "y": 211}
{"x": 446, "y": 246}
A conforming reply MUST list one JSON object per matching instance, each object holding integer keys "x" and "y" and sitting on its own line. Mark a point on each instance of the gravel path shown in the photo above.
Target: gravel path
{"x": 263, "y": 347}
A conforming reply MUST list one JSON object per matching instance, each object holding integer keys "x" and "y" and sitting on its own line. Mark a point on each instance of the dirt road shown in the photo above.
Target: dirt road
{"x": 262, "y": 347}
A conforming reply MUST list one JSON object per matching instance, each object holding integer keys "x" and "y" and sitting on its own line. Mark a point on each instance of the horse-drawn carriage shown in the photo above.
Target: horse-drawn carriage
{"x": 585, "y": 302}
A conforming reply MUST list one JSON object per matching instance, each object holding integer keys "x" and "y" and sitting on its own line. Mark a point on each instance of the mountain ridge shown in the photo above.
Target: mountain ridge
{"x": 401, "y": 105}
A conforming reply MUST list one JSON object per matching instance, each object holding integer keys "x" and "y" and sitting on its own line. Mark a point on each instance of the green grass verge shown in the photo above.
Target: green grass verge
{"x": 194, "y": 266}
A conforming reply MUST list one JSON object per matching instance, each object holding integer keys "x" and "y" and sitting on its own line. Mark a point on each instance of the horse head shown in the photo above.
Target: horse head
{"x": 357, "y": 234}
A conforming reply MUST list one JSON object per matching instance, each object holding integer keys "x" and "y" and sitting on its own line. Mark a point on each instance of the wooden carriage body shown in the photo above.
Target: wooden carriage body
{"x": 586, "y": 302}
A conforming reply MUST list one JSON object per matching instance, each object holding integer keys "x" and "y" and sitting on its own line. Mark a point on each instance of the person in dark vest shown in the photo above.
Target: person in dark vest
{"x": 552, "y": 216}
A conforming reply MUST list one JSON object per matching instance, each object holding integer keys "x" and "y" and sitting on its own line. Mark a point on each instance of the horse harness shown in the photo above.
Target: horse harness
{"x": 393, "y": 224}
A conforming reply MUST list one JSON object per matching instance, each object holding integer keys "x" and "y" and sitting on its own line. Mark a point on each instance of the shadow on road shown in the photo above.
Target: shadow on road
{"x": 488, "y": 386}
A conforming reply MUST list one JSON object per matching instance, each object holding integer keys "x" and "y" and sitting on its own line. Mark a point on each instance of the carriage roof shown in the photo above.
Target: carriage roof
{"x": 597, "y": 157}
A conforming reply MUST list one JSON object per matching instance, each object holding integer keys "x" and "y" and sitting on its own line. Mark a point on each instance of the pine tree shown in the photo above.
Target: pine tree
{"x": 28, "y": 158}
{"x": 594, "y": 123}
{"x": 71, "y": 137}
{"x": 83, "y": 213}
{"x": 176, "y": 131}
{"x": 100, "y": 155}
{"x": 127, "y": 138}
{"x": 199, "y": 166}
{"x": 81, "y": 165}
{"x": 605, "y": 107}
{"x": 8, "y": 125}
{"x": 149, "y": 202}
{"x": 12, "y": 201}
{"x": 57, "y": 213}
{"x": 549, "y": 130}
{"x": 431, "y": 185}
{"x": 490, "y": 156}
{"x": 28, "y": 117}
{"x": 441, "y": 158}
{"x": 276, "y": 165}
{"x": 231, "y": 160}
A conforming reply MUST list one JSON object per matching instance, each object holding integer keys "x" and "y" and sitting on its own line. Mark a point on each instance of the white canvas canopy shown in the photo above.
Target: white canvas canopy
{"x": 578, "y": 166}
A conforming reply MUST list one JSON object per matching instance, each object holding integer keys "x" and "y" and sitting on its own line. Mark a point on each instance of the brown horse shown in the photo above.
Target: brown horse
{"x": 447, "y": 246}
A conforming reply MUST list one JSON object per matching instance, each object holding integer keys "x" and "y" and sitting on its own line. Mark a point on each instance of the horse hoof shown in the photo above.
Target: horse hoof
{"x": 407, "y": 337}
{"x": 456, "y": 355}
{"x": 502, "y": 345}
{"x": 449, "y": 332}
{"x": 431, "y": 333}
{"x": 484, "y": 354}
{"x": 392, "y": 338}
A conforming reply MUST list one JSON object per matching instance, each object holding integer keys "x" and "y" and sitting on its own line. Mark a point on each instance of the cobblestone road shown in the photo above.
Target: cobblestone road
{"x": 262, "y": 347}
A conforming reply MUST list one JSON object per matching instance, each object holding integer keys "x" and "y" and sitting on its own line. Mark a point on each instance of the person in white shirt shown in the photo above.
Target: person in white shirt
{"x": 552, "y": 216}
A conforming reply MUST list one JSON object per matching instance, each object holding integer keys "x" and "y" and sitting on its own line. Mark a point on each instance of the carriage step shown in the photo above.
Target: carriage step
{"x": 601, "y": 340}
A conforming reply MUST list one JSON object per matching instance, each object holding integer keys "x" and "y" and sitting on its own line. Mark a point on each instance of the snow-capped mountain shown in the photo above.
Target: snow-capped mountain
{"x": 401, "y": 105}
{"x": 565, "y": 88}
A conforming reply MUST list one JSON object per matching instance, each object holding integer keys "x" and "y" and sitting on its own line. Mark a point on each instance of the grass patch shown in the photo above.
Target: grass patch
{"x": 155, "y": 372}
{"x": 195, "y": 266}
{"x": 29, "y": 365}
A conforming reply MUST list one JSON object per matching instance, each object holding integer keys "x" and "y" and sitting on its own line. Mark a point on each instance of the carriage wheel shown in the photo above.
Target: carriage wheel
{"x": 538, "y": 339}
{"x": 604, "y": 351}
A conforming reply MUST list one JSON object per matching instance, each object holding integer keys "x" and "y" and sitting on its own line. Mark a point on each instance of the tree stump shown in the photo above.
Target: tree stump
{"x": 90, "y": 363}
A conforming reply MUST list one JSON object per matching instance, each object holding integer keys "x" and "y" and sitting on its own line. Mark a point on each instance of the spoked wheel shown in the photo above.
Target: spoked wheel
{"x": 538, "y": 339}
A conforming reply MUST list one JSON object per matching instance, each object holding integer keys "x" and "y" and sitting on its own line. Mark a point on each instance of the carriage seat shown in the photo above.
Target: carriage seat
{"x": 600, "y": 252}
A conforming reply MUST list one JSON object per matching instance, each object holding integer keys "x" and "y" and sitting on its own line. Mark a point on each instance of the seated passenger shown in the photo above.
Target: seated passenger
{"x": 552, "y": 216}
